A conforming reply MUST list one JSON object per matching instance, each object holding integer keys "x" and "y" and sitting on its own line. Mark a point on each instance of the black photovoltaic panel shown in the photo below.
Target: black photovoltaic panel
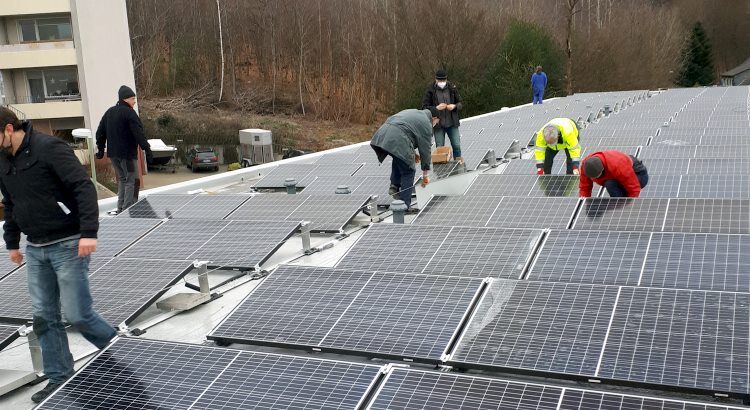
{"x": 708, "y": 216}
{"x": 276, "y": 177}
{"x": 483, "y": 252}
{"x": 698, "y": 261}
{"x": 175, "y": 239}
{"x": 115, "y": 234}
{"x": 725, "y": 139}
{"x": 619, "y": 140}
{"x": 459, "y": 210}
{"x": 395, "y": 248}
{"x": 627, "y": 149}
{"x": 555, "y": 186}
{"x": 715, "y": 186}
{"x": 473, "y": 157}
{"x": 416, "y": 389}
{"x": 548, "y": 327}
{"x": 610, "y": 258}
{"x": 374, "y": 168}
{"x": 536, "y": 213}
{"x": 8, "y": 267}
{"x": 331, "y": 170}
{"x": 673, "y": 166}
{"x": 684, "y": 338}
{"x": 528, "y": 167}
{"x": 343, "y": 157}
{"x": 122, "y": 288}
{"x": 328, "y": 185}
{"x": 15, "y": 302}
{"x": 156, "y": 206}
{"x": 574, "y": 399}
{"x": 622, "y": 214}
{"x": 667, "y": 151}
{"x": 501, "y": 185}
{"x": 268, "y": 207}
{"x": 8, "y": 333}
{"x": 659, "y": 186}
{"x": 413, "y": 316}
{"x": 725, "y": 166}
{"x": 444, "y": 170}
{"x": 329, "y": 213}
{"x": 364, "y": 312}
{"x": 722, "y": 152}
{"x": 294, "y": 305}
{"x": 210, "y": 206}
{"x": 136, "y": 373}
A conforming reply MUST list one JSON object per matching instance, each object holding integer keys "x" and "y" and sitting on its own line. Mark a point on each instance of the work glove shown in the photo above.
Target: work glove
{"x": 99, "y": 154}
{"x": 575, "y": 171}
{"x": 149, "y": 156}
{"x": 540, "y": 171}
{"x": 425, "y": 181}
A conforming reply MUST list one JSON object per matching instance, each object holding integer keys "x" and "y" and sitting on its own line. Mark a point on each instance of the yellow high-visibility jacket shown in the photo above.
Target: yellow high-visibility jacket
{"x": 568, "y": 140}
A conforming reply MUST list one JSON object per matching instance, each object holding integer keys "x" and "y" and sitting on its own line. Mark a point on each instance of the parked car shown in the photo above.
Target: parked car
{"x": 202, "y": 158}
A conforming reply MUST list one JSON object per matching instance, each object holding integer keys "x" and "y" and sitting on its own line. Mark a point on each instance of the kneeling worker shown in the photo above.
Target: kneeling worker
{"x": 558, "y": 134}
{"x": 621, "y": 174}
{"x": 398, "y": 137}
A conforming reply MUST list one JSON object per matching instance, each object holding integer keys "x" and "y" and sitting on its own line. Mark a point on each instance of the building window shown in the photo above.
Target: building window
{"x": 45, "y": 29}
{"x": 52, "y": 84}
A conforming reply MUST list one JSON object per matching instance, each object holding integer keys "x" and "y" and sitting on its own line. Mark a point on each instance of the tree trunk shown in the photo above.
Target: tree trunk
{"x": 570, "y": 13}
{"x": 221, "y": 49}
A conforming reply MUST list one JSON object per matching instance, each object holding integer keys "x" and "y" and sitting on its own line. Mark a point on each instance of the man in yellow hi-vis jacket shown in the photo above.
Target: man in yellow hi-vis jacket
{"x": 557, "y": 134}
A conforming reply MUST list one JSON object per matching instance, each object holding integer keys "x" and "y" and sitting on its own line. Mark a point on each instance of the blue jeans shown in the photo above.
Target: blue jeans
{"x": 402, "y": 177}
{"x": 538, "y": 96}
{"x": 615, "y": 190}
{"x": 453, "y": 135}
{"x": 56, "y": 276}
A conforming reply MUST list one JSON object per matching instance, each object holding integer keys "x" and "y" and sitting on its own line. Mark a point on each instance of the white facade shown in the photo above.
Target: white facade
{"x": 62, "y": 61}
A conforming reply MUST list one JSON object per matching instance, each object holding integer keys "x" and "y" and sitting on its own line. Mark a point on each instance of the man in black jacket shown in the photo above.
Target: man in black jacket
{"x": 48, "y": 196}
{"x": 121, "y": 131}
{"x": 444, "y": 96}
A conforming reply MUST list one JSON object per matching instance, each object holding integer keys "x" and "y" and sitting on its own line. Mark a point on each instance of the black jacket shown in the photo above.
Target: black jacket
{"x": 430, "y": 100}
{"x": 122, "y": 132}
{"x": 43, "y": 174}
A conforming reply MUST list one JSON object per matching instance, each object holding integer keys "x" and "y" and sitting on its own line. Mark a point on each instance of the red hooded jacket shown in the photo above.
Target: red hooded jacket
{"x": 617, "y": 166}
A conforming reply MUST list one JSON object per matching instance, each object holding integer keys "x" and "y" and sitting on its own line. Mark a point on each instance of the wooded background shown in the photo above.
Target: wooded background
{"x": 358, "y": 60}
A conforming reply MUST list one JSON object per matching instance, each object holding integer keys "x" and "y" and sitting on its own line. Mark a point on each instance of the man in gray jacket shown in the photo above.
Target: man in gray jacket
{"x": 398, "y": 137}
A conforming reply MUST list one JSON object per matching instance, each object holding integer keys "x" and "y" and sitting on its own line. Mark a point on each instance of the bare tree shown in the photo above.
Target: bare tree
{"x": 570, "y": 12}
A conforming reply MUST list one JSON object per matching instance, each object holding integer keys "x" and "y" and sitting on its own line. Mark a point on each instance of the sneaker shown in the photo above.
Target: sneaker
{"x": 460, "y": 160}
{"x": 393, "y": 192}
{"x": 46, "y": 391}
{"x": 412, "y": 211}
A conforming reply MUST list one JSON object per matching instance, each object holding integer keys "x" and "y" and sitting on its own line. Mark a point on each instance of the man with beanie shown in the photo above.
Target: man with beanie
{"x": 398, "y": 137}
{"x": 49, "y": 197}
{"x": 538, "y": 84}
{"x": 558, "y": 134}
{"x": 443, "y": 96}
{"x": 121, "y": 131}
{"x": 621, "y": 174}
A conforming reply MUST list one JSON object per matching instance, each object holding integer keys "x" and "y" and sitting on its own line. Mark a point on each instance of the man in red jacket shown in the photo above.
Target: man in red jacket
{"x": 621, "y": 174}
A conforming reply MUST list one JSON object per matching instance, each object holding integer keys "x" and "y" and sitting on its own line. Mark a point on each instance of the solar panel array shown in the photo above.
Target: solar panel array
{"x": 8, "y": 333}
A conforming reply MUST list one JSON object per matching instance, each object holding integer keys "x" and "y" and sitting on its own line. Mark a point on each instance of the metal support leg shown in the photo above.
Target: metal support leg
{"x": 373, "y": 208}
{"x": 36, "y": 351}
{"x": 491, "y": 158}
{"x": 305, "y": 233}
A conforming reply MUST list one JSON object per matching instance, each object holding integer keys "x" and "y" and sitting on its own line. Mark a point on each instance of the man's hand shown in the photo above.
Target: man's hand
{"x": 540, "y": 171}
{"x": 451, "y": 107}
{"x": 417, "y": 158}
{"x": 442, "y": 106}
{"x": 575, "y": 171}
{"x": 15, "y": 256}
{"x": 425, "y": 179}
{"x": 99, "y": 154}
{"x": 86, "y": 246}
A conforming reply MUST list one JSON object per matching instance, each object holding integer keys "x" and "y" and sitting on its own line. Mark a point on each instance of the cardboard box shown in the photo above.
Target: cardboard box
{"x": 441, "y": 155}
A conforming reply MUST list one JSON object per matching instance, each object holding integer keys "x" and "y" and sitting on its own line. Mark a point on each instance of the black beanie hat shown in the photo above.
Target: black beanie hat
{"x": 440, "y": 74}
{"x": 593, "y": 167}
{"x": 125, "y": 92}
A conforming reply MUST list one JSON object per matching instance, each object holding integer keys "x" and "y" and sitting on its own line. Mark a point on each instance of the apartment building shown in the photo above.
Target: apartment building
{"x": 62, "y": 61}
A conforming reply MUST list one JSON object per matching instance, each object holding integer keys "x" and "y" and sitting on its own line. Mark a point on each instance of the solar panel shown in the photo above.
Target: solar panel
{"x": 175, "y": 239}
{"x": 374, "y": 168}
{"x": 276, "y": 177}
{"x": 268, "y": 207}
{"x": 210, "y": 206}
{"x": 667, "y": 151}
{"x": 8, "y": 333}
{"x": 115, "y": 234}
{"x": 501, "y": 185}
{"x": 698, "y": 261}
{"x": 721, "y": 152}
{"x": 713, "y": 186}
{"x": 555, "y": 186}
{"x": 444, "y": 170}
{"x": 458, "y": 210}
{"x": 591, "y": 257}
{"x": 587, "y": 399}
{"x": 342, "y": 157}
{"x": 329, "y": 213}
{"x": 473, "y": 157}
{"x": 620, "y": 140}
{"x": 535, "y": 213}
{"x": 137, "y": 373}
{"x": 528, "y": 167}
{"x": 549, "y": 327}
{"x": 673, "y": 166}
{"x": 395, "y": 248}
{"x": 693, "y": 339}
{"x": 622, "y": 214}
{"x": 708, "y": 216}
{"x": 355, "y": 311}
{"x": 726, "y": 166}
{"x": 659, "y": 186}
{"x": 331, "y": 170}
{"x": 123, "y": 288}
{"x": 156, "y": 206}
{"x": 328, "y": 185}
{"x": 15, "y": 303}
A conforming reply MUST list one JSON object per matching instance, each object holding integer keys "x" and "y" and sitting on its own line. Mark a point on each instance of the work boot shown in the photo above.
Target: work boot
{"x": 460, "y": 160}
{"x": 393, "y": 192}
{"x": 46, "y": 391}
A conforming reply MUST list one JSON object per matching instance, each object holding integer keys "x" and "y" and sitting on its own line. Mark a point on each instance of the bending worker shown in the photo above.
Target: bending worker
{"x": 559, "y": 133}
{"x": 398, "y": 137}
{"x": 621, "y": 174}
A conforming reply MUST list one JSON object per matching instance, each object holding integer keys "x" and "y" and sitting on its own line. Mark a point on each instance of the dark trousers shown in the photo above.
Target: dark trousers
{"x": 402, "y": 177}
{"x": 615, "y": 190}
{"x": 549, "y": 157}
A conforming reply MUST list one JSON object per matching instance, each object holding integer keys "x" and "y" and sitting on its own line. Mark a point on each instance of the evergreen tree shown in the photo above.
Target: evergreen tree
{"x": 697, "y": 61}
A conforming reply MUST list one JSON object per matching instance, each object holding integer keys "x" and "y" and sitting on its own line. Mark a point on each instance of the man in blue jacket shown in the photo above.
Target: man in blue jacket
{"x": 538, "y": 84}
{"x": 48, "y": 196}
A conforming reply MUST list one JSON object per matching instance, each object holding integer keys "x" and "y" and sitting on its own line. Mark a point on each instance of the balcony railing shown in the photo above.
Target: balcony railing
{"x": 35, "y": 99}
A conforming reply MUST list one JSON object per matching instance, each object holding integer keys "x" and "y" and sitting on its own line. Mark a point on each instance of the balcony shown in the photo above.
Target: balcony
{"x": 22, "y": 7}
{"x": 32, "y": 55}
{"x": 69, "y": 106}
